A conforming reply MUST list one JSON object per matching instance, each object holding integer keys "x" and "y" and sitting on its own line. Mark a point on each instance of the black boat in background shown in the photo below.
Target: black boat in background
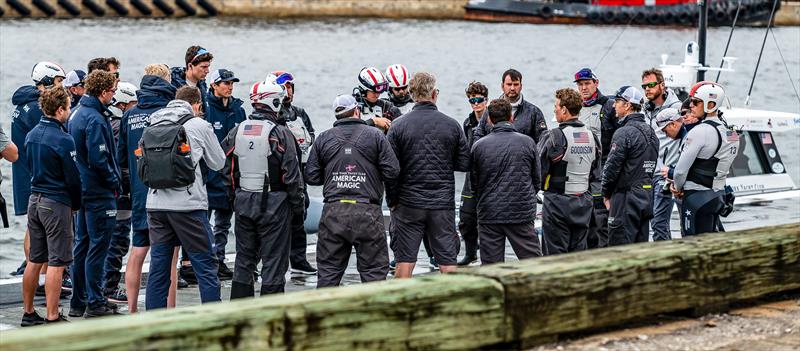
{"x": 642, "y": 12}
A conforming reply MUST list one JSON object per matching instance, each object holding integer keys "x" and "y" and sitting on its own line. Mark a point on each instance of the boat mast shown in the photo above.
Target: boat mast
{"x": 701, "y": 37}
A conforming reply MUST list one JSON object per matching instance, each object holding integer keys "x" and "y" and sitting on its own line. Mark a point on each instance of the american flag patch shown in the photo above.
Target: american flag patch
{"x": 766, "y": 138}
{"x": 581, "y": 137}
{"x": 252, "y": 129}
{"x": 733, "y": 136}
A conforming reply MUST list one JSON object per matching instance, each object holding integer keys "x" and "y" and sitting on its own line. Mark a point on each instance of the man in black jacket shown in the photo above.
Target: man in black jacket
{"x": 528, "y": 119}
{"x": 430, "y": 147}
{"x": 570, "y": 159}
{"x": 506, "y": 199}
{"x": 263, "y": 169}
{"x": 353, "y": 161}
{"x": 628, "y": 172}
{"x": 477, "y": 96}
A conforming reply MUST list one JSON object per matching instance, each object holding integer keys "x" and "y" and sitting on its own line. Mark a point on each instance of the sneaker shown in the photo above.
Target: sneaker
{"x": 21, "y": 270}
{"x": 392, "y": 266}
{"x": 304, "y": 268}
{"x": 76, "y": 312}
{"x": 31, "y": 319}
{"x": 118, "y": 296}
{"x": 187, "y": 273}
{"x": 102, "y": 311}
{"x": 60, "y": 318}
{"x": 41, "y": 292}
{"x": 224, "y": 273}
{"x": 182, "y": 284}
{"x": 434, "y": 265}
{"x": 66, "y": 282}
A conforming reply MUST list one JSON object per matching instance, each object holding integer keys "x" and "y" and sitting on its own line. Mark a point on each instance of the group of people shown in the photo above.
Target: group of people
{"x": 151, "y": 165}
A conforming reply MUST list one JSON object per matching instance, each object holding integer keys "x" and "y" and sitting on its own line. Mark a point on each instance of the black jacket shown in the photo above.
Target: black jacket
{"x": 355, "y": 175}
{"x": 632, "y": 158}
{"x": 505, "y": 176}
{"x": 528, "y": 120}
{"x": 284, "y": 164}
{"x": 469, "y": 125}
{"x": 430, "y": 147}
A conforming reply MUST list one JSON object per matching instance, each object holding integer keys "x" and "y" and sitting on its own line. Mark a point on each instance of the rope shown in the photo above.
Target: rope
{"x": 760, "y": 53}
{"x": 730, "y": 36}
{"x": 614, "y": 42}
{"x": 788, "y": 73}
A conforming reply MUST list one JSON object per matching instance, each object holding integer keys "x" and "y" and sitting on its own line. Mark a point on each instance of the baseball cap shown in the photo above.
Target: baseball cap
{"x": 630, "y": 94}
{"x": 665, "y": 116}
{"x": 583, "y": 74}
{"x": 74, "y": 78}
{"x": 343, "y": 104}
{"x": 222, "y": 75}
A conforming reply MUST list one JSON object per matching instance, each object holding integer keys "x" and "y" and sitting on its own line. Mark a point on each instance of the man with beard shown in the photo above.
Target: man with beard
{"x": 528, "y": 119}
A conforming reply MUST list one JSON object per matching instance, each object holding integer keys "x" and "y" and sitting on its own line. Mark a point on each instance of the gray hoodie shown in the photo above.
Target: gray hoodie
{"x": 666, "y": 146}
{"x": 204, "y": 146}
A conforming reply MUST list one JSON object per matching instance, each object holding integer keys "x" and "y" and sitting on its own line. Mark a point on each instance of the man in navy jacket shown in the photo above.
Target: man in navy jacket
{"x": 155, "y": 92}
{"x": 55, "y": 193}
{"x": 224, "y": 112}
{"x": 90, "y": 127}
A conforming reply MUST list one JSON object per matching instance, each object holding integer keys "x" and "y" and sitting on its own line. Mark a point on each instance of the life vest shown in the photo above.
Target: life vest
{"x": 707, "y": 172}
{"x": 252, "y": 150}
{"x": 302, "y": 136}
{"x": 570, "y": 175}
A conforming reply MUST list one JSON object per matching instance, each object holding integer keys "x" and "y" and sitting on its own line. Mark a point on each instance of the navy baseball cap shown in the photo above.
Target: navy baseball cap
{"x": 223, "y": 75}
{"x": 583, "y": 74}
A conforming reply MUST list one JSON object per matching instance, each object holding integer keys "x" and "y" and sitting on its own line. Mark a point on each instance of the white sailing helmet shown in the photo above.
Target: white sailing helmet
{"x": 397, "y": 75}
{"x": 268, "y": 93}
{"x": 45, "y": 73}
{"x": 707, "y": 92}
{"x": 126, "y": 93}
{"x": 370, "y": 78}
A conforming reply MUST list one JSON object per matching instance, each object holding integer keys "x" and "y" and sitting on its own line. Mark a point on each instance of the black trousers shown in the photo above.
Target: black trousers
{"x": 468, "y": 225}
{"x": 565, "y": 222}
{"x": 629, "y": 216}
{"x": 700, "y": 212}
{"x": 522, "y": 237}
{"x": 598, "y": 225}
{"x": 297, "y": 253}
{"x": 342, "y": 227}
{"x": 262, "y": 236}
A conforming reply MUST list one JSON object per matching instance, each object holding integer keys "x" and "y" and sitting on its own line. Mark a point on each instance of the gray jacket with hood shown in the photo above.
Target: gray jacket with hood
{"x": 204, "y": 145}
{"x": 666, "y": 146}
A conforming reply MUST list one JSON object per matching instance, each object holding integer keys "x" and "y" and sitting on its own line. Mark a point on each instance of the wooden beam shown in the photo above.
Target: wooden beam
{"x": 502, "y": 306}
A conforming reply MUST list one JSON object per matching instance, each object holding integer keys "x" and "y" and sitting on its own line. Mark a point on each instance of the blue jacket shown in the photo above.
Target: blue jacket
{"x": 154, "y": 94}
{"x": 223, "y": 119}
{"x": 96, "y": 152}
{"x": 26, "y": 116}
{"x": 51, "y": 159}
{"x": 179, "y": 80}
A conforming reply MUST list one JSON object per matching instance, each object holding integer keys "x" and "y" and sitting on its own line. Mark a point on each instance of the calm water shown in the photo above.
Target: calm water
{"x": 325, "y": 57}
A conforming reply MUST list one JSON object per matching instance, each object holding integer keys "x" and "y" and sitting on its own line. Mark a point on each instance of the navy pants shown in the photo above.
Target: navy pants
{"x": 192, "y": 231}
{"x": 222, "y": 227}
{"x": 120, "y": 243}
{"x": 94, "y": 227}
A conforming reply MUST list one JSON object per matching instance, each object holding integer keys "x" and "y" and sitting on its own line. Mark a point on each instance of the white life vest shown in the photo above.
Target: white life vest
{"x": 253, "y": 151}
{"x": 302, "y": 136}
{"x": 572, "y": 173}
{"x": 590, "y": 116}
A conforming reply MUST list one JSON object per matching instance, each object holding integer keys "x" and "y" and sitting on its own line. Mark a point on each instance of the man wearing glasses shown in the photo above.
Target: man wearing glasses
{"x": 477, "y": 94}
{"x": 377, "y": 112}
{"x": 658, "y": 99}
{"x": 399, "y": 95}
{"x": 197, "y": 66}
{"x": 628, "y": 172}
{"x": 90, "y": 127}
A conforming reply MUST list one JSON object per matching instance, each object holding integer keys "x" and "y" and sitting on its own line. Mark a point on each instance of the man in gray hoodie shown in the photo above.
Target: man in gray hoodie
{"x": 178, "y": 216}
{"x": 659, "y": 97}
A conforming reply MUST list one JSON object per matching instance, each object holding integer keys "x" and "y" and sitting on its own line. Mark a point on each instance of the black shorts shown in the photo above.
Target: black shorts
{"x": 411, "y": 224}
{"x": 50, "y": 227}
{"x": 141, "y": 238}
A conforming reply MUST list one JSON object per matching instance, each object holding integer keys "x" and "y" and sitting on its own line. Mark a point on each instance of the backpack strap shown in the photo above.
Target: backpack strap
{"x": 719, "y": 137}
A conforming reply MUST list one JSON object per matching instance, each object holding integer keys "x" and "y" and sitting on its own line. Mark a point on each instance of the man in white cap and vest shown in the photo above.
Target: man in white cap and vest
{"x": 353, "y": 161}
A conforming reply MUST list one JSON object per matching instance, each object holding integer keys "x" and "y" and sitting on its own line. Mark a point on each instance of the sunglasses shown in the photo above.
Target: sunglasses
{"x": 399, "y": 88}
{"x": 284, "y": 78}
{"x": 684, "y": 112}
{"x": 650, "y": 85}
{"x": 381, "y": 88}
{"x": 477, "y": 100}
{"x": 696, "y": 101}
{"x": 116, "y": 74}
{"x": 199, "y": 53}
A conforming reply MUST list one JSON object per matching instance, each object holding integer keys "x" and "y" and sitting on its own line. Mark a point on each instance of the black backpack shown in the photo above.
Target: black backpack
{"x": 164, "y": 159}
